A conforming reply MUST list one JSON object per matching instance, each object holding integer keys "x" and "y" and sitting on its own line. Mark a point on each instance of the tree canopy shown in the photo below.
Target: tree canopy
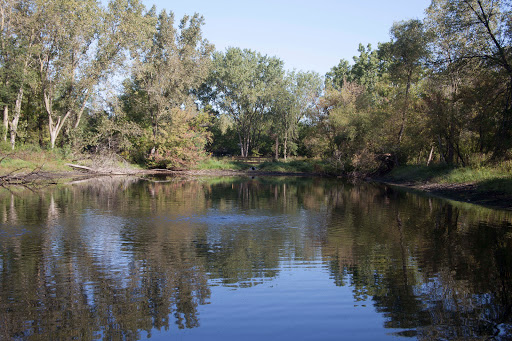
{"x": 122, "y": 78}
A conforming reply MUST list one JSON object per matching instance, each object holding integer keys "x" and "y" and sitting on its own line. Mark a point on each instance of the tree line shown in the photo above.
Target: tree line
{"x": 121, "y": 78}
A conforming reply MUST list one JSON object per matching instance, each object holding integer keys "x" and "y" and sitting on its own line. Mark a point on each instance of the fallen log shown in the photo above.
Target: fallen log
{"x": 14, "y": 177}
{"x": 84, "y": 168}
{"x": 95, "y": 171}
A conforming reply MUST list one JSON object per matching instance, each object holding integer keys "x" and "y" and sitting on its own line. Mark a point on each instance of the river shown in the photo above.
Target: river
{"x": 265, "y": 258}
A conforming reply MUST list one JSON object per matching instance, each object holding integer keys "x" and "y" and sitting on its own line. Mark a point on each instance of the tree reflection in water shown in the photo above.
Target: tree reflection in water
{"x": 112, "y": 258}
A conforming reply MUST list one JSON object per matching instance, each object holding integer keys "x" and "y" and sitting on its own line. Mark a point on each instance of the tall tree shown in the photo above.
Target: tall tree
{"x": 18, "y": 40}
{"x": 364, "y": 71}
{"x": 66, "y": 47}
{"x": 480, "y": 30}
{"x": 241, "y": 85}
{"x": 171, "y": 65}
{"x": 81, "y": 48}
{"x": 339, "y": 74}
{"x": 301, "y": 92}
{"x": 406, "y": 54}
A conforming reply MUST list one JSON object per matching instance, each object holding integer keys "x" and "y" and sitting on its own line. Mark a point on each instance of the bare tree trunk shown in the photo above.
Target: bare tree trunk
{"x": 246, "y": 147}
{"x": 430, "y": 155}
{"x": 16, "y": 118}
{"x": 6, "y": 121}
{"x": 54, "y": 128}
{"x": 79, "y": 115}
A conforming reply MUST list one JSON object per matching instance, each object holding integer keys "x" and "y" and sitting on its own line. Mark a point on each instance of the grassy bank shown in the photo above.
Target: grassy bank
{"x": 292, "y": 166}
{"x": 486, "y": 185}
{"x": 495, "y": 178}
{"x": 29, "y": 158}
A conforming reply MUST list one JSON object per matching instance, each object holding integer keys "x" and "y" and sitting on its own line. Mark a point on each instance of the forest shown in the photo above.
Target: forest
{"x": 125, "y": 80}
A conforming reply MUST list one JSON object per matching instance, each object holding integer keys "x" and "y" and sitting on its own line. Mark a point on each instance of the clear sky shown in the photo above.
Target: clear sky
{"x": 306, "y": 35}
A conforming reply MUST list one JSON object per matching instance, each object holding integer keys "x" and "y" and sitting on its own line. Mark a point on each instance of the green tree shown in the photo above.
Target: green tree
{"x": 81, "y": 48}
{"x": 365, "y": 71}
{"x": 296, "y": 100}
{"x": 479, "y": 32}
{"x": 242, "y": 85}
{"x": 339, "y": 74}
{"x": 171, "y": 64}
{"x": 18, "y": 39}
{"x": 65, "y": 48}
{"x": 406, "y": 54}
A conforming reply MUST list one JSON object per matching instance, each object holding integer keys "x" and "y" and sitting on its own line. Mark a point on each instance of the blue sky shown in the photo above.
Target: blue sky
{"x": 306, "y": 35}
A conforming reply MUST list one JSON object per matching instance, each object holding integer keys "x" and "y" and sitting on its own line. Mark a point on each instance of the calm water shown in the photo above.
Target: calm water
{"x": 250, "y": 259}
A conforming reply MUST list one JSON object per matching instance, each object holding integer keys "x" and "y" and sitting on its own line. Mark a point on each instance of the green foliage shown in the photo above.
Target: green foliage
{"x": 180, "y": 144}
{"x": 242, "y": 84}
{"x": 365, "y": 71}
{"x": 224, "y": 139}
{"x": 173, "y": 62}
{"x": 472, "y": 49}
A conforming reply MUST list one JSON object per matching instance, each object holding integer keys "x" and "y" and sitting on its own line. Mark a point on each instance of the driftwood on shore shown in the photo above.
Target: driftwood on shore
{"x": 15, "y": 177}
{"x": 95, "y": 171}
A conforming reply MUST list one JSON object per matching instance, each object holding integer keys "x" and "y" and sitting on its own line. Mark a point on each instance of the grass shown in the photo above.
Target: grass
{"x": 289, "y": 166}
{"x": 28, "y": 158}
{"x": 221, "y": 164}
{"x": 295, "y": 166}
{"x": 496, "y": 178}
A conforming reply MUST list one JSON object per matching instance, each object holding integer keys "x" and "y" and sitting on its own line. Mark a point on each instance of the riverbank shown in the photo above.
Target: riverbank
{"x": 485, "y": 186}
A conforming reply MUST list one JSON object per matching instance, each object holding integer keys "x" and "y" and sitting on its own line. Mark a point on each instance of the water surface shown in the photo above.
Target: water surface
{"x": 252, "y": 259}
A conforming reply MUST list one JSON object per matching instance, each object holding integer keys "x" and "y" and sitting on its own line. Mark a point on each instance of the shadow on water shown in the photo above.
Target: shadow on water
{"x": 122, "y": 258}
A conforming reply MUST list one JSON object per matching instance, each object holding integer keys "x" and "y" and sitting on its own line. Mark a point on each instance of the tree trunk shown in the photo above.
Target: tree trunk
{"x": 54, "y": 128}
{"x": 154, "y": 125}
{"x": 441, "y": 151}
{"x": 246, "y": 146}
{"x": 277, "y": 149}
{"x": 450, "y": 153}
{"x": 79, "y": 114}
{"x": 430, "y": 155}
{"x": 6, "y": 122}
{"x": 405, "y": 109}
{"x": 241, "y": 144}
{"x": 285, "y": 145}
{"x": 16, "y": 118}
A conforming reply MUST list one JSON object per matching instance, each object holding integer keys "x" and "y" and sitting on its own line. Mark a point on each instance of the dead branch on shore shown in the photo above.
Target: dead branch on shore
{"x": 16, "y": 178}
{"x": 95, "y": 171}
